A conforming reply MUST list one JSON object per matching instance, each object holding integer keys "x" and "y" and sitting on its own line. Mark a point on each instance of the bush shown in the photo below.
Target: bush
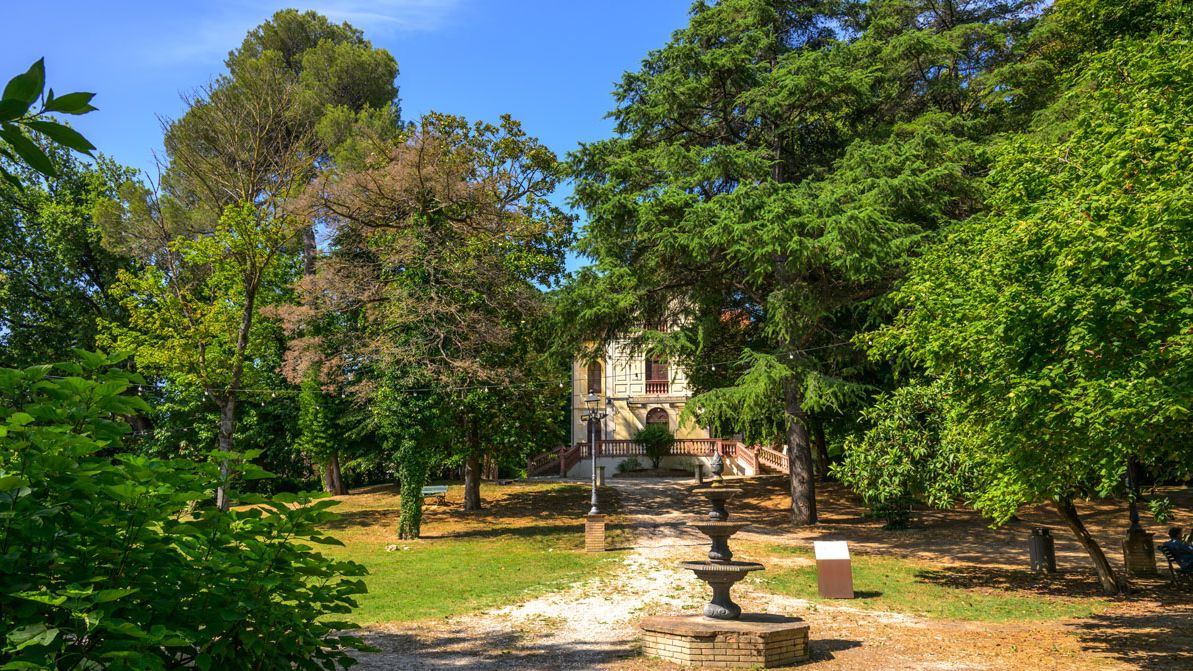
{"x": 101, "y": 566}
{"x": 657, "y": 440}
{"x": 627, "y": 465}
{"x": 909, "y": 452}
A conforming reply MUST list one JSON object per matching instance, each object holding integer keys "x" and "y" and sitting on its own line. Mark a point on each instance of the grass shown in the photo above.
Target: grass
{"x": 919, "y": 588}
{"x": 528, "y": 541}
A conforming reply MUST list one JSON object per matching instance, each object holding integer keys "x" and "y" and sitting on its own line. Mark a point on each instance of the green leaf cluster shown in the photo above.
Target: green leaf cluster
{"x": 18, "y": 118}
{"x": 109, "y": 560}
{"x": 54, "y": 270}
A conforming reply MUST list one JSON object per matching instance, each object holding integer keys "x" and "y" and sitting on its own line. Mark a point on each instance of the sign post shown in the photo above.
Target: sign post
{"x": 834, "y": 570}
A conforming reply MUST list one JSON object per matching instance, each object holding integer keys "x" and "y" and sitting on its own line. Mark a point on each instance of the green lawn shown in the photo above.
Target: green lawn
{"x": 524, "y": 544}
{"x": 920, "y": 588}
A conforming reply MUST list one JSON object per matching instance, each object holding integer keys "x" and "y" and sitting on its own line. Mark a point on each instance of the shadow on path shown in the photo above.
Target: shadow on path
{"x": 463, "y": 649}
{"x": 1150, "y": 641}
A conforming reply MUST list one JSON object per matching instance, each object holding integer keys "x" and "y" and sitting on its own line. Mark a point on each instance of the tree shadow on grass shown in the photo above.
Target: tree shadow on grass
{"x": 1151, "y": 629}
{"x": 529, "y": 512}
{"x": 491, "y": 651}
{"x": 1074, "y": 584}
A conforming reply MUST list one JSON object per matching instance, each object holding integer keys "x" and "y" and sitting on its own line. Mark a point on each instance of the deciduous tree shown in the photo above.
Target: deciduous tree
{"x": 1062, "y": 321}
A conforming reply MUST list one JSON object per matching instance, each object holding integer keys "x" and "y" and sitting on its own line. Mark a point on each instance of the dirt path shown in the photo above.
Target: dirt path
{"x": 588, "y": 626}
{"x": 592, "y": 625}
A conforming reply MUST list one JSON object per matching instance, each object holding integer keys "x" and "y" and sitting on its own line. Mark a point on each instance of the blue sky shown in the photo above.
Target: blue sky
{"x": 551, "y": 64}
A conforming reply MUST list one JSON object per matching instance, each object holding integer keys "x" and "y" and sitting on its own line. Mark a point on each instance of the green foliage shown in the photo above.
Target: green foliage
{"x": 656, "y": 440}
{"x": 412, "y": 428}
{"x": 106, "y": 562}
{"x": 1061, "y": 322}
{"x": 188, "y": 316}
{"x": 336, "y": 65}
{"x": 54, "y": 271}
{"x": 775, "y": 167}
{"x": 629, "y": 465}
{"x": 1160, "y": 509}
{"x": 18, "y": 117}
{"x": 908, "y": 454}
{"x": 316, "y": 431}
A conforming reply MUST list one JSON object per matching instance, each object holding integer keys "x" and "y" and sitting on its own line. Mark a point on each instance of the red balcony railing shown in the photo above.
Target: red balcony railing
{"x": 657, "y": 386}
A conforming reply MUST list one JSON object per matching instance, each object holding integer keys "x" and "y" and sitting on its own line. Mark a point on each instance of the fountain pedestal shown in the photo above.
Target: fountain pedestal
{"x": 756, "y": 640}
{"x": 723, "y": 637}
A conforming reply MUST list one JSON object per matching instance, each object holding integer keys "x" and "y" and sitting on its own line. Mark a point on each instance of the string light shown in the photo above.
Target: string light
{"x": 484, "y": 388}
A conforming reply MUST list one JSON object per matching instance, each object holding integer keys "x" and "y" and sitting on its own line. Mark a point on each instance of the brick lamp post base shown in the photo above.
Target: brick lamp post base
{"x": 594, "y": 533}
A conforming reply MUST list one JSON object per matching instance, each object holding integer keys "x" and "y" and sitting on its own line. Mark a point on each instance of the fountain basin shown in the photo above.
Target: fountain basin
{"x": 721, "y": 576}
{"x": 719, "y": 533}
{"x": 718, "y": 496}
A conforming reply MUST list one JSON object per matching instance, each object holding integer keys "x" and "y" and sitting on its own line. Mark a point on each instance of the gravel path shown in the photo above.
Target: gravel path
{"x": 590, "y": 625}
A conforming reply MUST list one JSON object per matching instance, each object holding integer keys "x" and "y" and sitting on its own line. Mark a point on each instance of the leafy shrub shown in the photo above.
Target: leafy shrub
{"x": 908, "y": 453}
{"x": 657, "y": 440}
{"x": 102, "y": 566}
{"x": 627, "y": 465}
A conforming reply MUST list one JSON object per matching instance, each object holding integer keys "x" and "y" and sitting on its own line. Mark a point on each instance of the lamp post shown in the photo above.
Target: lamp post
{"x": 593, "y": 417}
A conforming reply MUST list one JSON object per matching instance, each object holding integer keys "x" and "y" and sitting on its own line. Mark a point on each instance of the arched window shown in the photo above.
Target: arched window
{"x": 594, "y": 378}
{"x": 658, "y": 416}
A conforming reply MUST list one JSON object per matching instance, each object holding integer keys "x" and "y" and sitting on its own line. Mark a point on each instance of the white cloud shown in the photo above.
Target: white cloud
{"x": 389, "y": 15}
{"x": 223, "y": 27}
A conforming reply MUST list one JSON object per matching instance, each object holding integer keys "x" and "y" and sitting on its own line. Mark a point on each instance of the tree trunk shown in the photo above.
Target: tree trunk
{"x": 333, "y": 480}
{"x": 227, "y": 426}
{"x": 309, "y": 250}
{"x": 819, "y": 451}
{"x": 1106, "y": 575}
{"x": 472, "y": 466}
{"x": 472, "y": 482}
{"x": 799, "y": 457}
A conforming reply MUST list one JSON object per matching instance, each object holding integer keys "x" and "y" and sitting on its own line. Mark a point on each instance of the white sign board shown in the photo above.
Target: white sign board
{"x": 831, "y": 550}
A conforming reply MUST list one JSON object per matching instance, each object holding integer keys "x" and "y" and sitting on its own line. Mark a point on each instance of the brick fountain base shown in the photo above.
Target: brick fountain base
{"x": 724, "y": 637}
{"x": 755, "y": 640}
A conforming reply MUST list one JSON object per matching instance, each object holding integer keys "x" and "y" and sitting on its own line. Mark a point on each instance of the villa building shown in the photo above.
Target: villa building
{"x": 634, "y": 391}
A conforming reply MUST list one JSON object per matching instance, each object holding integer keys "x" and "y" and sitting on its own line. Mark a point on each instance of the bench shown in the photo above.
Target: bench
{"x": 1174, "y": 570}
{"x": 436, "y": 491}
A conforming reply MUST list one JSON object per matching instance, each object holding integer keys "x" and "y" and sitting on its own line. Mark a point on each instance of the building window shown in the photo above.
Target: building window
{"x": 594, "y": 378}
{"x": 658, "y": 416}
{"x": 657, "y": 381}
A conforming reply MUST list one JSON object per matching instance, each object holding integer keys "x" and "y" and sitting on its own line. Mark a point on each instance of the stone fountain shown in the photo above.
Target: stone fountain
{"x": 723, "y": 637}
{"x": 719, "y": 570}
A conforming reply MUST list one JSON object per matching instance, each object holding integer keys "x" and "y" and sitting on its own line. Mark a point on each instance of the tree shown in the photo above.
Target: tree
{"x": 54, "y": 271}
{"x": 1062, "y": 320}
{"x": 656, "y": 440}
{"x": 345, "y": 83}
{"x": 774, "y": 167}
{"x": 191, "y": 316}
{"x": 316, "y": 429}
{"x": 220, "y": 227}
{"x": 440, "y": 239}
{"x": 912, "y": 449}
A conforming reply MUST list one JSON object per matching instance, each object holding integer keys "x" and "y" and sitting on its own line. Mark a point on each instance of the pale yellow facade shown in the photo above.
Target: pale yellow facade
{"x": 632, "y": 392}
